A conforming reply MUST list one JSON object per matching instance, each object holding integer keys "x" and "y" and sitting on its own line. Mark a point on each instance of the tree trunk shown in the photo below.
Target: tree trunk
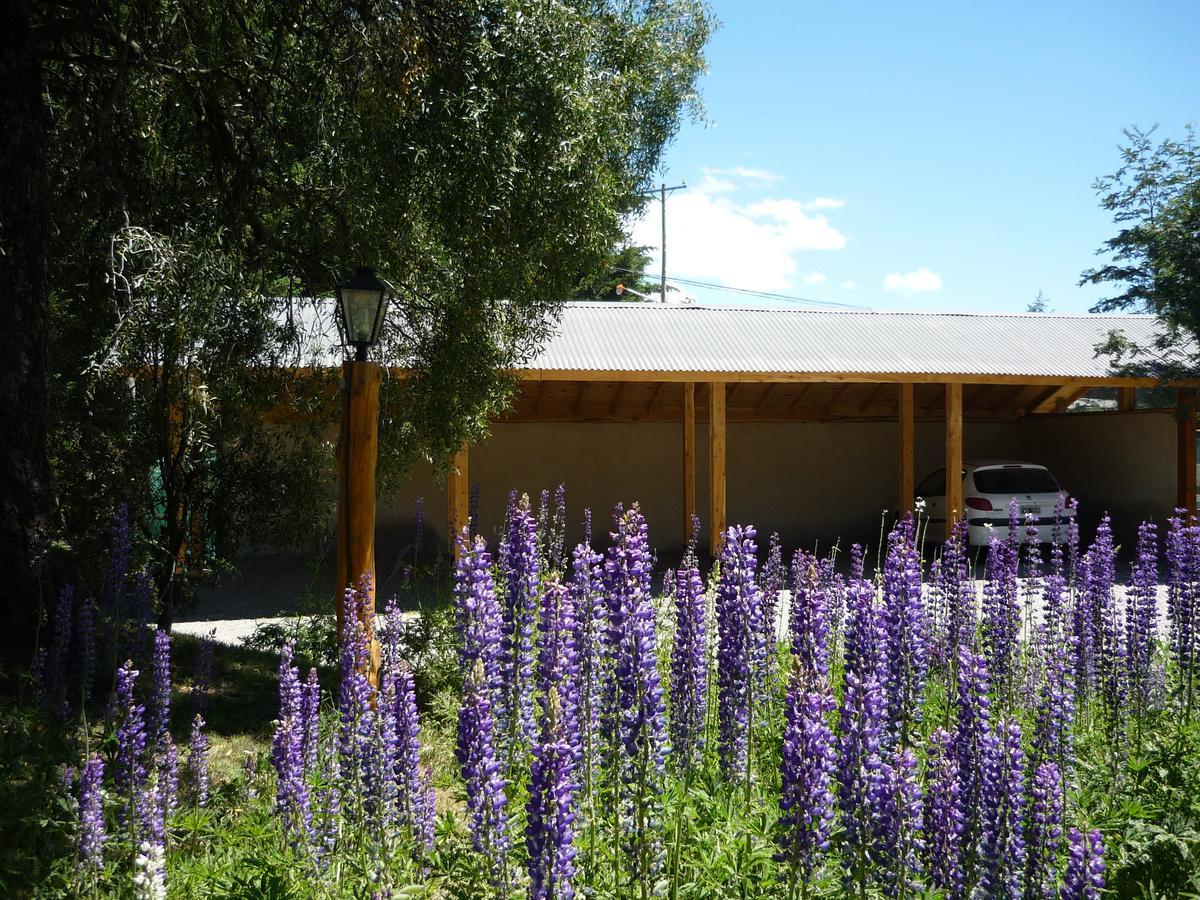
{"x": 26, "y": 498}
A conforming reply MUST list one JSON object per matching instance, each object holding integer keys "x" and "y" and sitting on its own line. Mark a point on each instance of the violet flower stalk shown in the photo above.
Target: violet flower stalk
{"x": 311, "y": 713}
{"x": 414, "y": 795}
{"x": 689, "y": 662}
{"x": 167, "y": 770}
{"x": 85, "y": 636}
{"x": 905, "y": 630}
{"x": 972, "y": 727}
{"x": 197, "y": 761}
{"x": 131, "y": 741}
{"x": 1044, "y": 835}
{"x": 291, "y": 792}
{"x": 521, "y": 565}
{"x": 481, "y": 772}
{"x": 1085, "y": 867}
{"x": 1002, "y": 614}
{"x": 1056, "y": 707}
{"x": 202, "y": 682}
{"x": 590, "y": 635}
{"x": 958, "y": 592}
{"x": 1183, "y": 604}
{"x": 92, "y": 836}
{"x": 774, "y": 580}
{"x": 807, "y": 766}
{"x": 739, "y": 650}
{"x": 1107, "y": 637}
{"x": 896, "y": 803}
{"x": 159, "y": 721}
{"x": 1141, "y": 619}
{"x": 943, "y": 824}
{"x": 477, "y": 615}
{"x": 356, "y": 742}
{"x": 1002, "y": 841}
{"x": 810, "y": 625}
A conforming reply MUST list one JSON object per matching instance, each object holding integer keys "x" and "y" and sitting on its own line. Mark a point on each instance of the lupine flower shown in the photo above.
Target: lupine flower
{"x": 590, "y": 634}
{"x": 131, "y": 739}
{"x": 168, "y": 776}
{"x": 689, "y": 661}
{"x": 414, "y": 795}
{"x": 739, "y": 648}
{"x": 810, "y": 624}
{"x": 1002, "y": 612}
{"x": 1055, "y": 708}
{"x": 896, "y": 803}
{"x": 1002, "y": 841}
{"x": 159, "y": 719}
{"x": 356, "y": 721}
{"x": 556, "y": 540}
{"x": 1083, "y": 642}
{"x": 202, "y": 683}
{"x": 1106, "y": 635}
{"x": 862, "y": 713}
{"x": 311, "y": 712}
{"x": 1141, "y": 618}
{"x": 197, "y": 762}
{"x": 1044, "y": 838}
{"x": 905, "y": 631}
{"x": 481, "y": 772}
{"x": 520, "y": 562}
{"x": 85, "y": 636}
{"x": 291, "y": 792}
{"x": 958, "y": 591}
{"x": 635, "y": 702}
{"x": 142, "y": 635}
{"x": 1183, "y": 568}
{"x": 807, "y": 766}
{"x": 1085, "y": 866}
{"x": 418, "y": 529}
{"x": 477, "y": 614}
{"x": 973, "y": 716}
{"x": 150, "y": 871}
{"x": 473, "y": 509}
{"x": 774, "y": 580}
{"x": 92, "y": 836}
{"x": 558, "y": 660}
{"x": 943, "y": 816}
{"x": 549, "y": 832}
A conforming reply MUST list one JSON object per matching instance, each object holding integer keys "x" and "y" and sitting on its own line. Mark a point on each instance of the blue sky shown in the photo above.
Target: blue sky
{"x": 918, "y": 155}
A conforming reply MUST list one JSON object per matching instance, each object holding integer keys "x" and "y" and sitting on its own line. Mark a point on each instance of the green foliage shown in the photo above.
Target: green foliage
{"x": 625, "y": 265}
{"x": 1155, "y": 257}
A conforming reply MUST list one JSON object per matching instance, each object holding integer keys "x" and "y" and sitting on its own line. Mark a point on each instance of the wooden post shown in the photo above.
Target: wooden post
{"x": 689, "y": 458}
{"x": 357, "y": 450}
{"x": 716, "y": 466}
{"x": 907, "y": 439}
{"x": 457, "y": 499}
{"x": 1126, "y": 399}
{"x": 954, "y": 454}
{"x": 1185, "y": 454}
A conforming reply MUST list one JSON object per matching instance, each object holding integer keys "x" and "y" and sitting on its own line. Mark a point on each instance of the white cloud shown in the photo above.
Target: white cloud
{"x": 815, "y": 277}
{"x": 824, "y": 203}
{"x": 913, "y": 282}
{"x": 713, "y": 237}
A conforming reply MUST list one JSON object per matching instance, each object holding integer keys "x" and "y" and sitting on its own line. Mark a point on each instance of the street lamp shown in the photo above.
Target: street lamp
{"x": 362, "y": 302}
{"x": 362, "y": 305}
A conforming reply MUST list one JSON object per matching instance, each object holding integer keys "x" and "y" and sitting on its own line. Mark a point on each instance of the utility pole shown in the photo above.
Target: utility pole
{"x": 663, "y": 190}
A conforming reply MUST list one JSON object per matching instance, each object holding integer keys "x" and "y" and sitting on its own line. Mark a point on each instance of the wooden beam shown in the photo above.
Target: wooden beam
{"x": 765, "y": 398}
{"x": 616, "y": 400}
{"x": 740, "y": 377}
{"x": 907, "y": 439}
{"x": 1185, "y": 454}
{"x": 654, "y": 397}
{"x": 838, "y": 394}
{"x": 799, "y": 398}
{"x": 1126, "y": 399}
{"x": 577, "y": 407}
{"x": 954, "y": 454}
{"x": 457, "y": 499}
{"x": 689, "y": 458}
{"x": 872, "y": 396}
{"x": 1059, "y": 400}
{"x": 716, "y": 466}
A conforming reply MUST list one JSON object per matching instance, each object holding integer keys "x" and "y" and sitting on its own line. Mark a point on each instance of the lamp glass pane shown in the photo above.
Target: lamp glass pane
{"x": 360, "y": 308}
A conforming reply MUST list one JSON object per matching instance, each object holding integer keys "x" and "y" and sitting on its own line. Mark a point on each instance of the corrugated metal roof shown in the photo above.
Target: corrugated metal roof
{"x": 644, "y": 337}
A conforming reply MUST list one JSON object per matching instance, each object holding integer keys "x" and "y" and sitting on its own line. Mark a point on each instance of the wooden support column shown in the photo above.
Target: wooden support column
{"x": 954, "y": 454}
{"x": 457, "y": 499}
{"x": 1185, "y": 454}
{"x": 689, "y": 458}
{"x": 1126, "y": 399}
{"x": 357, "y": 450}
{"x": 907, "y": 439}
{"x": 716, "y": 466}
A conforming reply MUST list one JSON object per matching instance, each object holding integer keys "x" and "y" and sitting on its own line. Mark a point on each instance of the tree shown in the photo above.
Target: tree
{"x": 1155, "y": 257}
{"x": 480, "y": 153}
{"x": 625, "y": 265}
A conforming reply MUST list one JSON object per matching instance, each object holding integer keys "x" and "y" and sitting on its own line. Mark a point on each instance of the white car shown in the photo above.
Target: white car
{"x": 989, "y": 486}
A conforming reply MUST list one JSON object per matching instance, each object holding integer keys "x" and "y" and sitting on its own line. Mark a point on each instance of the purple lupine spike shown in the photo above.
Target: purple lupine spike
{"x": 355, "y": 735}
{"x": 558, "y": 530}
{"x": 1001, "y": 617}
{"x": 1002, "y": 840}
{"x": 85, "y": 636}
{"x": 1106, "y": 633}
{"x": 689, "y": 664}
{"x": 807, "y": 766}
{"x": 774, "y": 580}
{"x": 118, "y": 561}
{"x": 202, "y": 683}
{"x": 60, "y": 646}
{"x": 310, "y": 706}
{"x": 590, "y": 632}
{"x": 810, "y": 623}
{"x": 958, "y": 589}
{"x": 558, "y": 659}
{"x": 972, "y": 726}
{"x": 1044, "y": 836}
{"x": 1085, "y": 867}
{"x": 1055, "y": 706}
{"x": 1183, "y": 571}
{"x": 481, "y": 772}
{"x": 291, "y": 792}
{"x": 412, "y": 787}
{"x": 473, "y": 509}
{"x": 862, "y": 715}
{"x": 477, "y": 614}
{"x": 1083, "y": 643}
{"x": 905, "y": 630}
{"x": 197, "y": 761}
{"x": 896, "y": 803}
{"x": 740, "y": 649}
{"x": 92, "y": 836}
{"x": 142, "y": 615}
{"x": 131, "y": 740}
{"x": 943, "y": 816}
{"x": 1141, "y": 619}
{"x": 159, "y": 719}
{"x": 418, "y": 529}
{"x": 149, "y": 863}
{"x": 521, "y": 567}
{"x": 635, "y": 702}
{"x": 549, "y": 830}
{"x": 168, "y": 776}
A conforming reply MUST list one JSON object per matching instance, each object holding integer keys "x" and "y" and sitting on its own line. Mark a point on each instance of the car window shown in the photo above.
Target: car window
{"x": 934, "y": 485}
{"x": 1016, "y": 480}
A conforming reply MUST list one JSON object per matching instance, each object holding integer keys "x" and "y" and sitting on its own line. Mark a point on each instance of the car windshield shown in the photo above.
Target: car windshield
{"x": 1016, "y": 480}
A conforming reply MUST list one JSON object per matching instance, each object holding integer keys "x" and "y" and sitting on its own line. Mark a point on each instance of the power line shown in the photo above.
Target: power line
{"x": 750, "y": 292}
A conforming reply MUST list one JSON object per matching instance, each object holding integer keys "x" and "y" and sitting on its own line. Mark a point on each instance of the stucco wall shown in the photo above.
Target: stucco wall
{"x": 808, "y": 481}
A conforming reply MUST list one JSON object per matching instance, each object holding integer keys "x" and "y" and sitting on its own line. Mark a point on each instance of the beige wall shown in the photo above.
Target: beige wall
{"x": 808, "y": 481}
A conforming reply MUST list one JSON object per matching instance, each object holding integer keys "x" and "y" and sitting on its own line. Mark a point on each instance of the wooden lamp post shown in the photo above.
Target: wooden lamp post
{"x": 362, "y": 305}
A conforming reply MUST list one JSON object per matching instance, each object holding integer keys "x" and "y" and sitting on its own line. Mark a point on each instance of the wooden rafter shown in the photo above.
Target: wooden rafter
{"x": 616, "y": 400}
{"x": 766, "y": 397}
{"x": 799, "y": 398}
{"x": 1061, "y": 398}
{"x": 872, "y": 395}
{"x": 658, "y": 389}
{"x": 838, "y": 394}
{"x": 577, "y": 406}
{"x": 538, "y": 398}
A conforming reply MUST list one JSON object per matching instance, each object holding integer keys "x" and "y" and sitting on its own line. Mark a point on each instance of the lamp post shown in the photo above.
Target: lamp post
{"x": 362, "y": 302}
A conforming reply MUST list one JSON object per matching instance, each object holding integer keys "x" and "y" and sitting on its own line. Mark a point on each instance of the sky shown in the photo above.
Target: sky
{"x": 918, "y": 155}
